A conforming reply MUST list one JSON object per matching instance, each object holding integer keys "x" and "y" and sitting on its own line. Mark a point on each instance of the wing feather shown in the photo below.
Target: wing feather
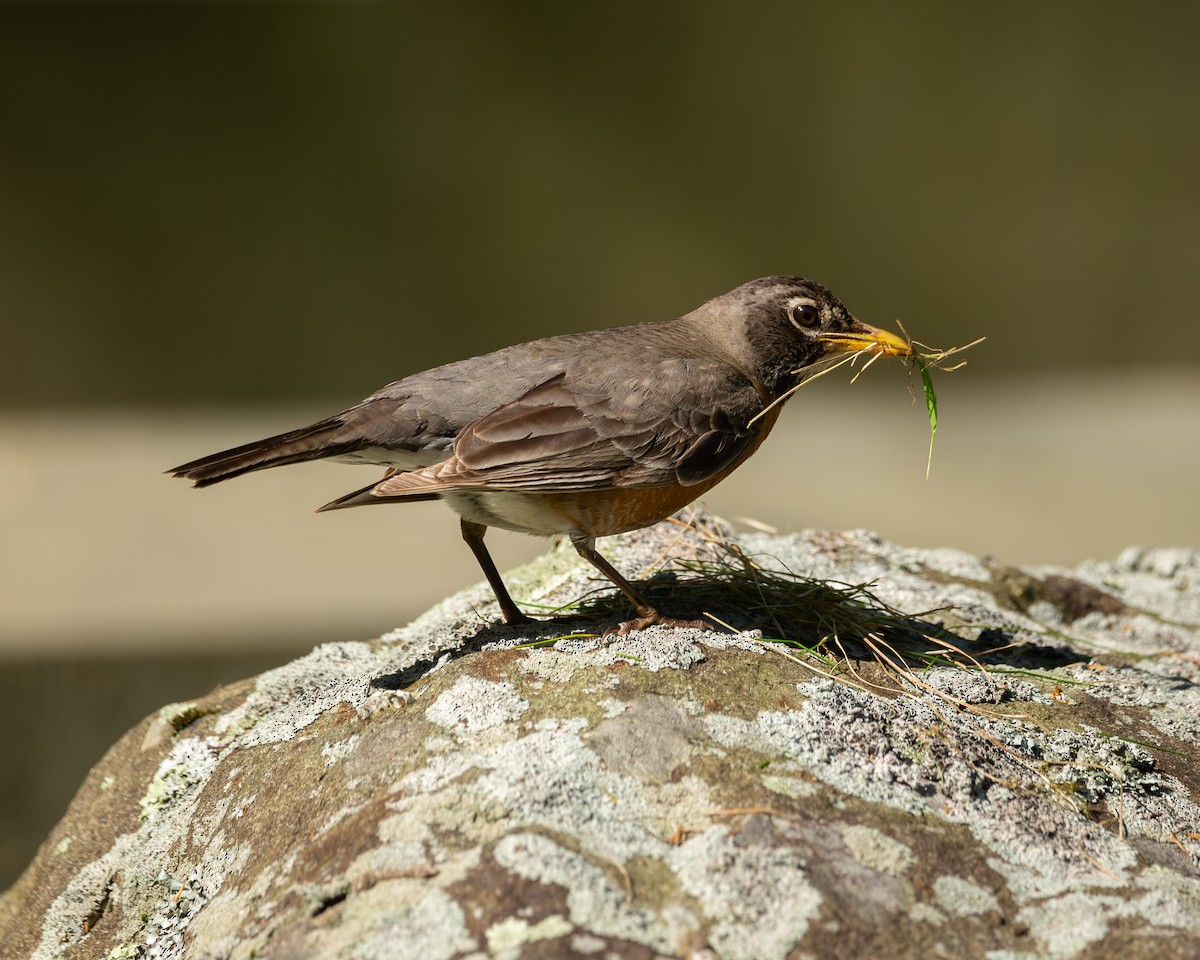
{"x": 684, "y": 425}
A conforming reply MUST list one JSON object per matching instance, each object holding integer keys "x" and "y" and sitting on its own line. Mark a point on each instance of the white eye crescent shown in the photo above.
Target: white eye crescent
{"x": 804, "y": 313}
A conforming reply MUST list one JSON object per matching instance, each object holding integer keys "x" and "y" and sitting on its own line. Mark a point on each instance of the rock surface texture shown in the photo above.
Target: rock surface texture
{"x": 1007, "y": 771}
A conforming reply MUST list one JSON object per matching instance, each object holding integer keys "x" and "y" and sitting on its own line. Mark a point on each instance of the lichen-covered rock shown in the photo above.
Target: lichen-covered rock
{"x": 1020, "y": 787}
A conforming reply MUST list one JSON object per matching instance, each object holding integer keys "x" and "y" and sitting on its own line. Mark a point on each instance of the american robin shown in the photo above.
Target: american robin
{"x": 585, "y": 434}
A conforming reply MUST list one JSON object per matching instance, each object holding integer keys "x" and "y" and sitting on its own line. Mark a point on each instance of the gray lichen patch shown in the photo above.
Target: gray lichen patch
{"x": 596, "y": 900}
{"x": 876, "y": 850}
{"x": 651, "y": 740}
{"x": 474, "y": 704}
{"x": 187, "y": 767}
{"x": 753, "y": 888}
{"x": 960, "y": 897}
{"x": 512, "y": 933}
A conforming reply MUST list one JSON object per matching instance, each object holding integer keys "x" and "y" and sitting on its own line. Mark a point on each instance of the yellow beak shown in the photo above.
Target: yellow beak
{"x": 862, "y": 336}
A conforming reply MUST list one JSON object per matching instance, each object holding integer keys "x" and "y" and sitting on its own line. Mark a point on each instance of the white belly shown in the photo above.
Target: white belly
{"x": 519, "y": 512}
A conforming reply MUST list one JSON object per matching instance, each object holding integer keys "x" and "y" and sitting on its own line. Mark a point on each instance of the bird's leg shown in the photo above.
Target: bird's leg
{"x": 646, "y": 614}
{"x": 473, "y": 534}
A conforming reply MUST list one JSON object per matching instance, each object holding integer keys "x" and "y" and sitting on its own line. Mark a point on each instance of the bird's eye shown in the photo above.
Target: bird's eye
{"x": 805, "y": 315}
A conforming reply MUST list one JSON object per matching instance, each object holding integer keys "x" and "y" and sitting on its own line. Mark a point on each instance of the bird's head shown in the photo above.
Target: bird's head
{"x": 781, "y": 325}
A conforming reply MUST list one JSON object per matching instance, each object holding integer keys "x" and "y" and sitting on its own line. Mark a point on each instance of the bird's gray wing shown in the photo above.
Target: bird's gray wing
{"x": 682, "y": 421}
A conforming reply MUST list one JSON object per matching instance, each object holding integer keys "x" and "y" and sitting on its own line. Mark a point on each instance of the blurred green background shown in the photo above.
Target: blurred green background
{"x": 220, "y": 220}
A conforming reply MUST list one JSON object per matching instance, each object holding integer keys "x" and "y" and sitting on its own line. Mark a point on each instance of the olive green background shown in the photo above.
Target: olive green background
{"x": 213, "y": 203}
{"x": 219, "y": 219}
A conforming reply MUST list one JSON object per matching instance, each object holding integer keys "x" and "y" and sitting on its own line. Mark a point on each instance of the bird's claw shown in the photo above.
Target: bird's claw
{"x": 652, "y": 618}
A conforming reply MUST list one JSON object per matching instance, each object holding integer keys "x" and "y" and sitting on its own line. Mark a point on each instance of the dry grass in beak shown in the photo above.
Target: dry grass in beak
{"x": 816, "y": 370}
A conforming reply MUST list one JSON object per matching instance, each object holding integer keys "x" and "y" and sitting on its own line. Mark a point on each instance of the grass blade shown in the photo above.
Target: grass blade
{"x": 931, "y": 403}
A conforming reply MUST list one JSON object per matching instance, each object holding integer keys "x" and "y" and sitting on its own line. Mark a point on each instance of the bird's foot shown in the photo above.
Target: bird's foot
{"x": 652, "y": 617}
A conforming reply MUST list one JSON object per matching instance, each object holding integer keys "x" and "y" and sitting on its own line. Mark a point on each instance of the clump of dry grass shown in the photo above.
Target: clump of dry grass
{"x": 832, "y": 624}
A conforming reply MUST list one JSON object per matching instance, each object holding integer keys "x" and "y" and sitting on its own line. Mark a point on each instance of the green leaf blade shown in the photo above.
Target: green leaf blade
{"x": 931, "y": 404}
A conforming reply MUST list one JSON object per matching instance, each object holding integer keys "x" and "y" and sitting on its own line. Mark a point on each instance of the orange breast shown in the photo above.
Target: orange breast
{"x": 601, "y": 513}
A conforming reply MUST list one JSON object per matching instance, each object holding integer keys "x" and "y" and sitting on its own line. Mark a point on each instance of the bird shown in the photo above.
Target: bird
{"x": 583, "y": 434}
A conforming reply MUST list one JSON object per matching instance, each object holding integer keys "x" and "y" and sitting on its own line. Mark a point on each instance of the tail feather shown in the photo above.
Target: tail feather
{"x": 367, "y": 496}
{"x": 313, "y": 442}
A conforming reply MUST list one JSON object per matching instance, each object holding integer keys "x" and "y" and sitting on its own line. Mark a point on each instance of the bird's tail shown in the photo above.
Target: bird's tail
{"x": 327, "y": 438}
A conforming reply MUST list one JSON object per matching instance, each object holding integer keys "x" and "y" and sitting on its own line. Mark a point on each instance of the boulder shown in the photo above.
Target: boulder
{"x": 876, "y": 751}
